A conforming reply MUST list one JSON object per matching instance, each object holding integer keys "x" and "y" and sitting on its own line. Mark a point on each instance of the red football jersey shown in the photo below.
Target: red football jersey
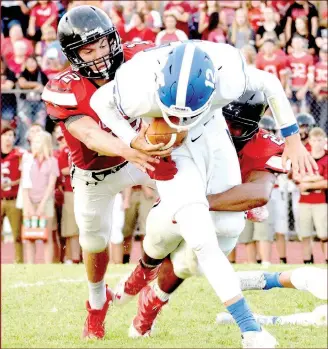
{"x": 63, "y": 162}
{"x": 11, "y": 171}
{"x": 301, "y": 68}
{"x": 275, "y": 66}
{"x": 320, "y": 76}
{"x": 69, "y": 94}
{"x": 262, "y": 153}
{"x": 318, "y": 196}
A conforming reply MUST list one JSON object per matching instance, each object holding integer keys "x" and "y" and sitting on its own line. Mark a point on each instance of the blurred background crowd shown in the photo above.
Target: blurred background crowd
{"x": 286, "y": 38}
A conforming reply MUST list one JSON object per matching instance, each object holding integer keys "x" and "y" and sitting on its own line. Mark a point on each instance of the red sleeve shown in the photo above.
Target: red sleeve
{"x": 63, "y": 159}
{"x": 132, "y": 48}
{"x": 258, "y": 62}
{"x": 186, "y": 6}
{"x": 168, "y": 6}
{"x": 54, "y": 9}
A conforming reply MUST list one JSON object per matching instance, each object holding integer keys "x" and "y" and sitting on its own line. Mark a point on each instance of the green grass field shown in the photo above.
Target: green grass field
{"x": 44, "y": 307}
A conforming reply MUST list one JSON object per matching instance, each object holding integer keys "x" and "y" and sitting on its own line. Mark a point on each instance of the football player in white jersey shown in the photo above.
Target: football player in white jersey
{"x": 193, "y": 81}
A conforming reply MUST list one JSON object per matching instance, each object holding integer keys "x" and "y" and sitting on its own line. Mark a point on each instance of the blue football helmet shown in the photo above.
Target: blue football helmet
{"x": 187, "y": 85}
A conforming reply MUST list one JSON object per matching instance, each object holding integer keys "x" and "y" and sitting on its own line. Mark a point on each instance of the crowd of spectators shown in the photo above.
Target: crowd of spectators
{"x": 286, "y": 38}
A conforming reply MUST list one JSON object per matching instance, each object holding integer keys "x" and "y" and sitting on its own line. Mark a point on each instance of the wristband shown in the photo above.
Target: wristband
{"x": 289, "y": 130}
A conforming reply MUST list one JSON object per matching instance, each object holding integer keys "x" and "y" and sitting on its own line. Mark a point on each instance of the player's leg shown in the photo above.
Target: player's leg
{"x": 306, "y": 229}
{"x": 117, "y": 238}
{"x": 320, "y": 216}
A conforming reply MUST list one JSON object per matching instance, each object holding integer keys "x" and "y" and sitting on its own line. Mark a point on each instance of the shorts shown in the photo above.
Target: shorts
{"x": 278, "y": 211}
{"x": 256, "y": 232}
{"x": 313, "y": 216}
{"x": 68, "y": 224}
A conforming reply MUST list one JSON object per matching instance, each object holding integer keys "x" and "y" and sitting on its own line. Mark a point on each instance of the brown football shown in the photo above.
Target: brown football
{"x": 160, "y": 132}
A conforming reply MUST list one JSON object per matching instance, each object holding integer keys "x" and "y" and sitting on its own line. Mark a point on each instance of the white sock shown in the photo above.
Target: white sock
{"x": 97, "y": 294}
{"x": 163, "y": 296}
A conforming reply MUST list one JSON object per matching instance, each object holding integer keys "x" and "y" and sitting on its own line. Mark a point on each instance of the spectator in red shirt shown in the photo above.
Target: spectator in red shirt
{"x": 49, "y": 35}
{"x": 313, "y": 200}
{"x": 228, "y": 9}
{"x": 241, "y": 32}
{"x": 153, "y": 18}
{"x": 69, "y": 229}
{"x": 206, "y": 8}
{"x": 270, "y": 29}
{"x": 10, "y": 178}
{"x": 300, "y": 66}
{"x": 301, "y": 9}
{"x": 44, "y": 14}
{"x": 255, "y": 13}
{"x": 116, "y": 15}
{"x": 182, "y": 11}
{"x": 140, "y": 32}
{"x": 17, "y": 62}
{"x": 271, "y": 62}
{"x": 52, "y": 65}
{"x": 7, "y": 44}
{"x": 170, "y": 33}
{"x": 320, "y": 88}
{"x": 214, "y": 32}
{"x": 302, "y": 30}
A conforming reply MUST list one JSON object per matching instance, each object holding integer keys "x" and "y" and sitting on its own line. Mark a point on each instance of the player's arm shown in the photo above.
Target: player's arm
{"x": 114, "y": 112}
{"x": 86, "y": 130}
{"x": 255, "y": 192}
{"x": 281, "y": 109}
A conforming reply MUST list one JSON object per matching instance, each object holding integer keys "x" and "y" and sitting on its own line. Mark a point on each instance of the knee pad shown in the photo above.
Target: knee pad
{"x": 227, "y": 244}
{"x": 229, "y": 224}
{"x": 93, "y": 243}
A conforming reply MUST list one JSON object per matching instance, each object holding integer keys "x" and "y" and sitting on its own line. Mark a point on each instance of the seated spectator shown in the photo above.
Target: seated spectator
{"x": 8, "y": 100}
{"x": 170, "y": 33}
{"x": 301, "y": 30}
{"x": 10, "y": 178}
{"x": 44, "y": 14}
{"x": 300, "y": 66}
{"x": 13, "y": 11}
{"x": 301, "y": 9}
{"x": 269, "y": 27}
{"x": 271, "y": 62}
{"x": 320, "y": 89}
{"x": 52, "y": 65}
{"x": 116, "y": 15}
{"x": 214, "y": 32}
{"x": 39, "y": 175}
{"x": 140, "y": 32}
{"x": 15, "y": 34}
{"x": 241, "y": 32}
{"x": 228, "y": 9}
{"x": 182, "y": 11}
{"x": 281, "y": 7}
{"x": 16, "y": 63}
{"x": 49, "y": 35}
{"x": 321, "y": 39}
{"x": 206, "y": 8}
{"x": 153, "y": 18}
{"x": 33, "y": 109}
{"x": 255, "y": 13}
{"x": 249, "y": 53}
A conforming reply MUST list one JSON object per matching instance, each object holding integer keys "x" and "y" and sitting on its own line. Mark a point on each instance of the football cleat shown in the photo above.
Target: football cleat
{"x": 131, "y": 285}
{"x": 149, "y": 306}
{"x": 261, "y": 339}
{"x": 251, "y": 280}
{"x": 94, "y": 326}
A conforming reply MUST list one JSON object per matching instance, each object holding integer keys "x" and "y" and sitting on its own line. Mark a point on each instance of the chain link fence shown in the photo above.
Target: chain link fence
{"x": 26, "y": 108}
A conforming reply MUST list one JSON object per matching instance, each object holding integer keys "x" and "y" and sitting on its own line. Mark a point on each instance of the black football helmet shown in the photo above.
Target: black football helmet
{"x": 268, "y": 123}
{"x": 245, "y": 112}
{"x": 305, "y": 122}
{"x": 83, "y": 25}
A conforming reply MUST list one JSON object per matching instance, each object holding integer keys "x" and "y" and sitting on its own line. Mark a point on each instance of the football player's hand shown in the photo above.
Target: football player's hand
{"x": 302, "y": 161}
{"x": 142, "y": 161}
{"x": 140, "y": 143}
{"x": 258, "y": 214}
{"x": 165, "y": 170}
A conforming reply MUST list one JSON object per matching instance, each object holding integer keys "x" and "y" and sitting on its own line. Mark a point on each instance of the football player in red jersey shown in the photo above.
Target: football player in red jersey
{"x": 102, "y": 164}
{"x": 260, "y": 157}
{"x": 10, "y": 177}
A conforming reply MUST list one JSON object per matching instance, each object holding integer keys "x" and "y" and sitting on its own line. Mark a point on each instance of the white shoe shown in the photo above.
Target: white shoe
{"x": 133, "y": 333}
{"x": 261, "y": 339}
{"x": 251, "y": 280}
{"x": 120, "y": 297}
{"x": 311, "y": 279}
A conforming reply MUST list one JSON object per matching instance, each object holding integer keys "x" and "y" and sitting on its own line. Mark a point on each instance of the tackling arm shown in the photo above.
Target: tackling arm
{"x": 255, "y": 192}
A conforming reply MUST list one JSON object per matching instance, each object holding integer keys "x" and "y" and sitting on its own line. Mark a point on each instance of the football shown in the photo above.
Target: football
{"x": 160, "y": 132}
